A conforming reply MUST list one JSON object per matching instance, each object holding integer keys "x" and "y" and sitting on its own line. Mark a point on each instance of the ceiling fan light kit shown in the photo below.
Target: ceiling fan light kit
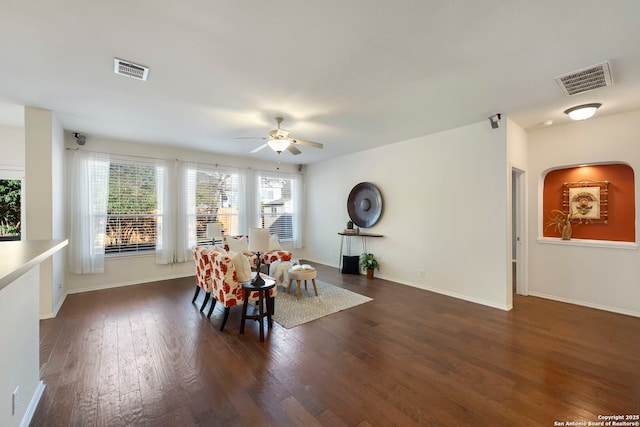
{"x": 278, "y": 145}
{"x": 582, "y": 112}
{"x": 278, "y": 140}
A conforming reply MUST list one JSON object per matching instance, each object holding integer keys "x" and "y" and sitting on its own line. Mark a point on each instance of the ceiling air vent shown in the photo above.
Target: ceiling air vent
{"x": 584, "y": 80}
{"x": 130, "y": 69}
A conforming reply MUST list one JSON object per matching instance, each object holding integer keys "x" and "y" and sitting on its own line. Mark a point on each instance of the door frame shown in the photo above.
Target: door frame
{"x": 519, "y": 214}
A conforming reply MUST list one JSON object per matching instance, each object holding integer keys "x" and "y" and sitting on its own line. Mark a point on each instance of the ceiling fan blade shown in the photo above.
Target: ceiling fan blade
{"x": 249, "y": 137}
{"x": 308, "y": 143}
{"x": 292, "y": 148}
{"x": 258, "y": 149}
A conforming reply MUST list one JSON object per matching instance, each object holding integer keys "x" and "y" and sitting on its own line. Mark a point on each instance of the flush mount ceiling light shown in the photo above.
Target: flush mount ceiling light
{"x": 582, "y": 112}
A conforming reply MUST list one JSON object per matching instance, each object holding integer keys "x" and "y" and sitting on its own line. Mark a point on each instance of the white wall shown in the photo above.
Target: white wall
{"x": 44, "y": 195}
{"x": 600, "y": 277}
{"x": 518, "y": 160}
{"x": 58, "y": 214}
{"x": 517, "y": 145}
{"x": 133, "y": 269}
{"x": 12, "y": 160}
{"x": 445, "y": 211}
{"x": 12, "y": 145}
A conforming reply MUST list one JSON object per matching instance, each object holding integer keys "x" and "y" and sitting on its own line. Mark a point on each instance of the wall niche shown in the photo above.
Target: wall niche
{"x": 618, "y": 202}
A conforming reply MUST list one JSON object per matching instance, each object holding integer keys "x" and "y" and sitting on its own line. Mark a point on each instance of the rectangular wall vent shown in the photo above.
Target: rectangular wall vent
{"x": 129, "y": 69}
{"x": 584, "y": 80}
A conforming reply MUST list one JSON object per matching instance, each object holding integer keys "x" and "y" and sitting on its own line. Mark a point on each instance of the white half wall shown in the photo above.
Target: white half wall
{"x": 600, "y": 277}
{"x": 445, "y": 211}
{"x": 19, "y": 352}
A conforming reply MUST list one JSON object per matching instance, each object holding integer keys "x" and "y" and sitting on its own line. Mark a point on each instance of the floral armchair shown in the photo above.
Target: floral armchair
{"x": 202, "y": 259}
{"x": 240, "y": 244}
{"x": 227, "y": 289}
{"x": 276, "y": 253}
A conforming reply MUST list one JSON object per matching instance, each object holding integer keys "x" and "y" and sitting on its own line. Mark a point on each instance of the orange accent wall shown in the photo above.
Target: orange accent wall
{"x": 622, "y": 200}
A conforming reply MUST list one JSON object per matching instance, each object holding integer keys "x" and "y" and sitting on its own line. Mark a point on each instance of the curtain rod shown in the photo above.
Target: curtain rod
{"x": 179, "y": 160}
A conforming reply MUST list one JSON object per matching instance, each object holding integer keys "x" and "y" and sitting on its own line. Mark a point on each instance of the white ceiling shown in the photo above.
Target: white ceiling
{"x": 350, "y": 74}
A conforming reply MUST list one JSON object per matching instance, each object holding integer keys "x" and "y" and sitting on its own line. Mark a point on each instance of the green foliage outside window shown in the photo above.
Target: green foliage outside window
{"x": 131, "y": 209}
{"x": 216, "y": 201}
{"x": 132, "y": 189}
{"x": 10, "y": 207}
{"x": 213, "y": 190}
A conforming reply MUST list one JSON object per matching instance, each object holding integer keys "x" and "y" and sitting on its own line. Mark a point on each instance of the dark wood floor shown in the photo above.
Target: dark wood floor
{"x": 144, "y": 355}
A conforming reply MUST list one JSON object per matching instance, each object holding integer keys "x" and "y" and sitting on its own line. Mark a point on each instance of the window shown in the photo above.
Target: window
{"x": 10, "y": 200}
{"x": 217, "y": 197}
{"x": 132, "y": 209}
{"x": 277, "y": 206}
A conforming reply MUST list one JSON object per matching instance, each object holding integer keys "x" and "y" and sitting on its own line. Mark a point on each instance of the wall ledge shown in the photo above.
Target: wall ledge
{"x": 609, "y": 244}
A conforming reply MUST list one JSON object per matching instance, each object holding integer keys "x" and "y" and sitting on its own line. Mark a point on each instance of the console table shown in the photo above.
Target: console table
{"x": 363, "y": 236}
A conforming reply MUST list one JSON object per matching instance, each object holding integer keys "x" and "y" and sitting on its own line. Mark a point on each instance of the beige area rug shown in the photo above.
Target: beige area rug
{"x": 291, "y": 312}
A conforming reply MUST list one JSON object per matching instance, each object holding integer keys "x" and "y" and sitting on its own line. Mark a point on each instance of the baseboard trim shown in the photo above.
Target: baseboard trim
{"x": 585, "y": 304}
{"x": 59, "y": 306}
{"x": 55, "y": 310}
{"x": 127, "y": 283}
{"x": 505, "y": 307}
{"x": 33, "y": 405}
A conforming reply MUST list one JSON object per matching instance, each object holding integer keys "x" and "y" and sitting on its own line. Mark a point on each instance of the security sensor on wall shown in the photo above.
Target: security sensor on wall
{"x": 495, "y": 121}
{"x": 80, "y": 139}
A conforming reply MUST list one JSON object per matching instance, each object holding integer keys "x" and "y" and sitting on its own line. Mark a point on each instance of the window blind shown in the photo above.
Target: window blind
{"x": 132, "y": 212}
{"x": 217, "y": 200}
{"x": 277, "y": 205}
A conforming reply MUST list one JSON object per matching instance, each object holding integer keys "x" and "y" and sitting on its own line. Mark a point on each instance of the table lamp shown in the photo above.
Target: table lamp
{"x": 258, "y": 243}
{"x": 214, "y": 230}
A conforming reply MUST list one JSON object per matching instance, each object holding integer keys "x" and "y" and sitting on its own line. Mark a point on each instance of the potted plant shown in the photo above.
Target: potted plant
{"x": 369, "y": 262}
{"x": 561, "y": 221}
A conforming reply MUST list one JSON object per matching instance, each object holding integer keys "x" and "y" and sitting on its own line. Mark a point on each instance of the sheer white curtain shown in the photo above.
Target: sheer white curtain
{"x": 166, "y": 208}
{"x": 186, "y": 213}
{"x": 248, "y": 202}
{"x": 89, "y": 197}
{"x": 176, "y": 225}
{"x": 298, "y": 210}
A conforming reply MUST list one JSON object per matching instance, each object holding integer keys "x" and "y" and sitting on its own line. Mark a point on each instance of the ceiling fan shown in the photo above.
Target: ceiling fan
{"x": 279, "y": 140}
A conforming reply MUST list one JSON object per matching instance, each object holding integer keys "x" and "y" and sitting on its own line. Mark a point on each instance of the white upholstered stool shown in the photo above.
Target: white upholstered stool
{"x": 300, "y": 273}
